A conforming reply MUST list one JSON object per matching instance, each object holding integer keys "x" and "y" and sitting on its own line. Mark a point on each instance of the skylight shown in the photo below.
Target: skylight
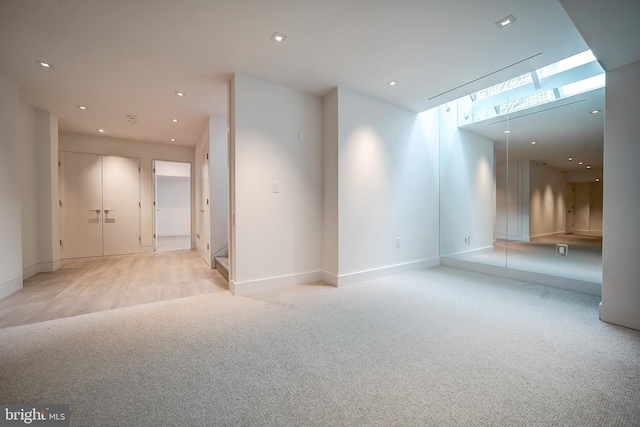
{"x": 571, "y": 76}
{"x": 522, "y": 80}
{"x": 582, "y": 86}
{"x": 566, "y": 64}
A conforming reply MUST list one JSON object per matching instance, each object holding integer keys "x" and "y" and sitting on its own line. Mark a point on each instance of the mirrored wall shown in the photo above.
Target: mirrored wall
{"x": 521, "y": 175}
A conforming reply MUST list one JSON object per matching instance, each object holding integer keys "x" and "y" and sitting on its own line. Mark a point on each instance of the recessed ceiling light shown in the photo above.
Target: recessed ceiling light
{"x": 174, "y": 120}
{"x": 506, "y": 21}
{"x": 533, "y": 143}
{"x": 44, "y": 64}
{"x": 173, "y": 140}
{"x": 82, "y": 107}
{"x": 279, "y": 38}
{"x": 570, "y": 158}
{"x": 179, "y": 93}
{"x": 507, "y": 131}
{"x": 393, "y": 82}
{"x": 597, "y": 179}
{"x": 579, "y": 163}
{"x": 101, "y": 130}
{"x": 595, "y": 111}
{"x": 588, "y": 166}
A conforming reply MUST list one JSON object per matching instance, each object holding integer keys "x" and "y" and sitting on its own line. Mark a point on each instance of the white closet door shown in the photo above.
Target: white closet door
{"x": 81, "y": 207}
{"x": 205, "y": 209}
{"x": 121, "y": 198}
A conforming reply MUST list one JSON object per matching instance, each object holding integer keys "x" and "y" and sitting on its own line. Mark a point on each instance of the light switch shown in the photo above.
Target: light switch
{"x": 275, "y": 186}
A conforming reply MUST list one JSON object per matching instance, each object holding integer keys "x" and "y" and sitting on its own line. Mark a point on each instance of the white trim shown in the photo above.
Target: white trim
{"x": 10, "y": 287}
{"x": 174, "y": 234}
{"x": 550, "y": 234}
{"x": 273, "y": 283}
{"x": 378, "y": 273}
{"x": 43, "y": 267}
{"x": 472, "y": 252}
{"x": 146, "y": 249}
{"x": 512, "y": 238}
{"x": 591, "y": 288}
{"x": 30, "y": 271}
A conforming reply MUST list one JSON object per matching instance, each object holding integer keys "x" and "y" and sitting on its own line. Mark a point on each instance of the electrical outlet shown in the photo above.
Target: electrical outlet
{"x": 465, "y": 240}
{"x": 398, "y": 242}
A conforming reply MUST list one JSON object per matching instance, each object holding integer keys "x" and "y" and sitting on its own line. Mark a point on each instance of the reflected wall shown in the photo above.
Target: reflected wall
{"x": 503, "y": 205}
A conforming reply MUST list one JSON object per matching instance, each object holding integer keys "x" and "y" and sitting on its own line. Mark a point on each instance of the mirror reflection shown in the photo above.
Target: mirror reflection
{"x": 521, "y": 172}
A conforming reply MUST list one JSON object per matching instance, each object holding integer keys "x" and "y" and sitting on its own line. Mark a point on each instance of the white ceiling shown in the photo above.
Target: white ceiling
{"x": 124, "y": 58}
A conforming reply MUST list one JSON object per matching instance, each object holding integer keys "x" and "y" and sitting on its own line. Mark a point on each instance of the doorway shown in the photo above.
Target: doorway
{"x": 99, "y": 205}
{"x": 172, "y": 213}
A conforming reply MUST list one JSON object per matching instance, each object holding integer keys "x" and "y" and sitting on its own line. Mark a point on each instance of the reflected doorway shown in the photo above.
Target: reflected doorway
{"x": 172, "y": 213}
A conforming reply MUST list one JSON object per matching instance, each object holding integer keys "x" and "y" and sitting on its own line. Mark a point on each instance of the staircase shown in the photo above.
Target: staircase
{"x": 222, "y": 265}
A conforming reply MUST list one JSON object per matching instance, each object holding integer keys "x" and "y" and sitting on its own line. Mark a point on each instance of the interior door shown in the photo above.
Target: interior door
{"x": 205, "y": 208}
{"x": 569, "y": 218}
{"x": 121, "y": 203}
{"x": 80, "y": 204}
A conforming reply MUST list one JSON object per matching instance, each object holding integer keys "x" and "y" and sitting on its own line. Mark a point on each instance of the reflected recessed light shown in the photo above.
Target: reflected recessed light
{"x": 101, "y": 130}
{"x": 570, "y": 158}
{"x": 277, "y": 37}
{"x": 507, "y": 131}
{"x": 588, "y": 166}
{"x": 174, "y": 120}
{"x": 173, "y": 140}
{"x": 44, "y": 64}
{"x": 533, "y": 143}
{"x": 82, "y": 107}
{"x": 179, "y": 93}
{"x": 393, "y": 82}
{"x": 597, "y": 179}
{"x": 579, "y": 163}
{"x": 506, "y": 21}
{"x": 595, "y": 111}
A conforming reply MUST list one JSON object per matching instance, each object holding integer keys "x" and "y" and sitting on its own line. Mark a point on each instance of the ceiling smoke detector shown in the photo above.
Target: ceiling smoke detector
{"x": 133, "y": 120}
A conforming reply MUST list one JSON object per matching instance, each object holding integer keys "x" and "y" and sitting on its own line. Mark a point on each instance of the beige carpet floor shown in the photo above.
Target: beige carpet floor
{"x": 436, "y": 347}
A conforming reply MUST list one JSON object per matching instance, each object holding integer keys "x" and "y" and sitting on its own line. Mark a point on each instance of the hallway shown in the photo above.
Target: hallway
{"x": 88, "y": 285}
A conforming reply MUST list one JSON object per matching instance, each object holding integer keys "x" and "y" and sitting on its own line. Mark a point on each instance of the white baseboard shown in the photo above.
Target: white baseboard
{"x": 472, "y": 252}
{"x": 30, "y": 271}
{"x": 146, "y": 249}
{"x": 10, "y": 287}
{"x": 174, "y": 234}
{"x": 273, "y": 283}
{"x": 549, "y": 234}
{"x": 378, "y": 273}
{"x": 43, "y": 267}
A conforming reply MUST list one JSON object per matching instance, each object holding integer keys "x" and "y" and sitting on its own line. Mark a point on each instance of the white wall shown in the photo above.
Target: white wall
{"x": 596, "y": 208}
{"x": 621, "y": 227}
{"x": 547, "y": 207}
{"x": 467, "y": 199}
{"x": 277, "y": 138}
{"x": 219, "y": 185}
{"x": 176, "y": 169}
{"x": 29, "y": 189}
{"x": 582, "y": 203}
{"x": 387, "y": 188}
{"x": 512, "y": 201}
{"x": 10, "y": 198}
{"x": 38, "y": 138}
{"x": 146, "y": 152}
{"x": 330, "y": 249}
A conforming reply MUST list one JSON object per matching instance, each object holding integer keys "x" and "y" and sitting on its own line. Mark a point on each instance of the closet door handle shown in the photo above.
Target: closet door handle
{"x": 106, "y": 211}
{"x": 97, "y": 211}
